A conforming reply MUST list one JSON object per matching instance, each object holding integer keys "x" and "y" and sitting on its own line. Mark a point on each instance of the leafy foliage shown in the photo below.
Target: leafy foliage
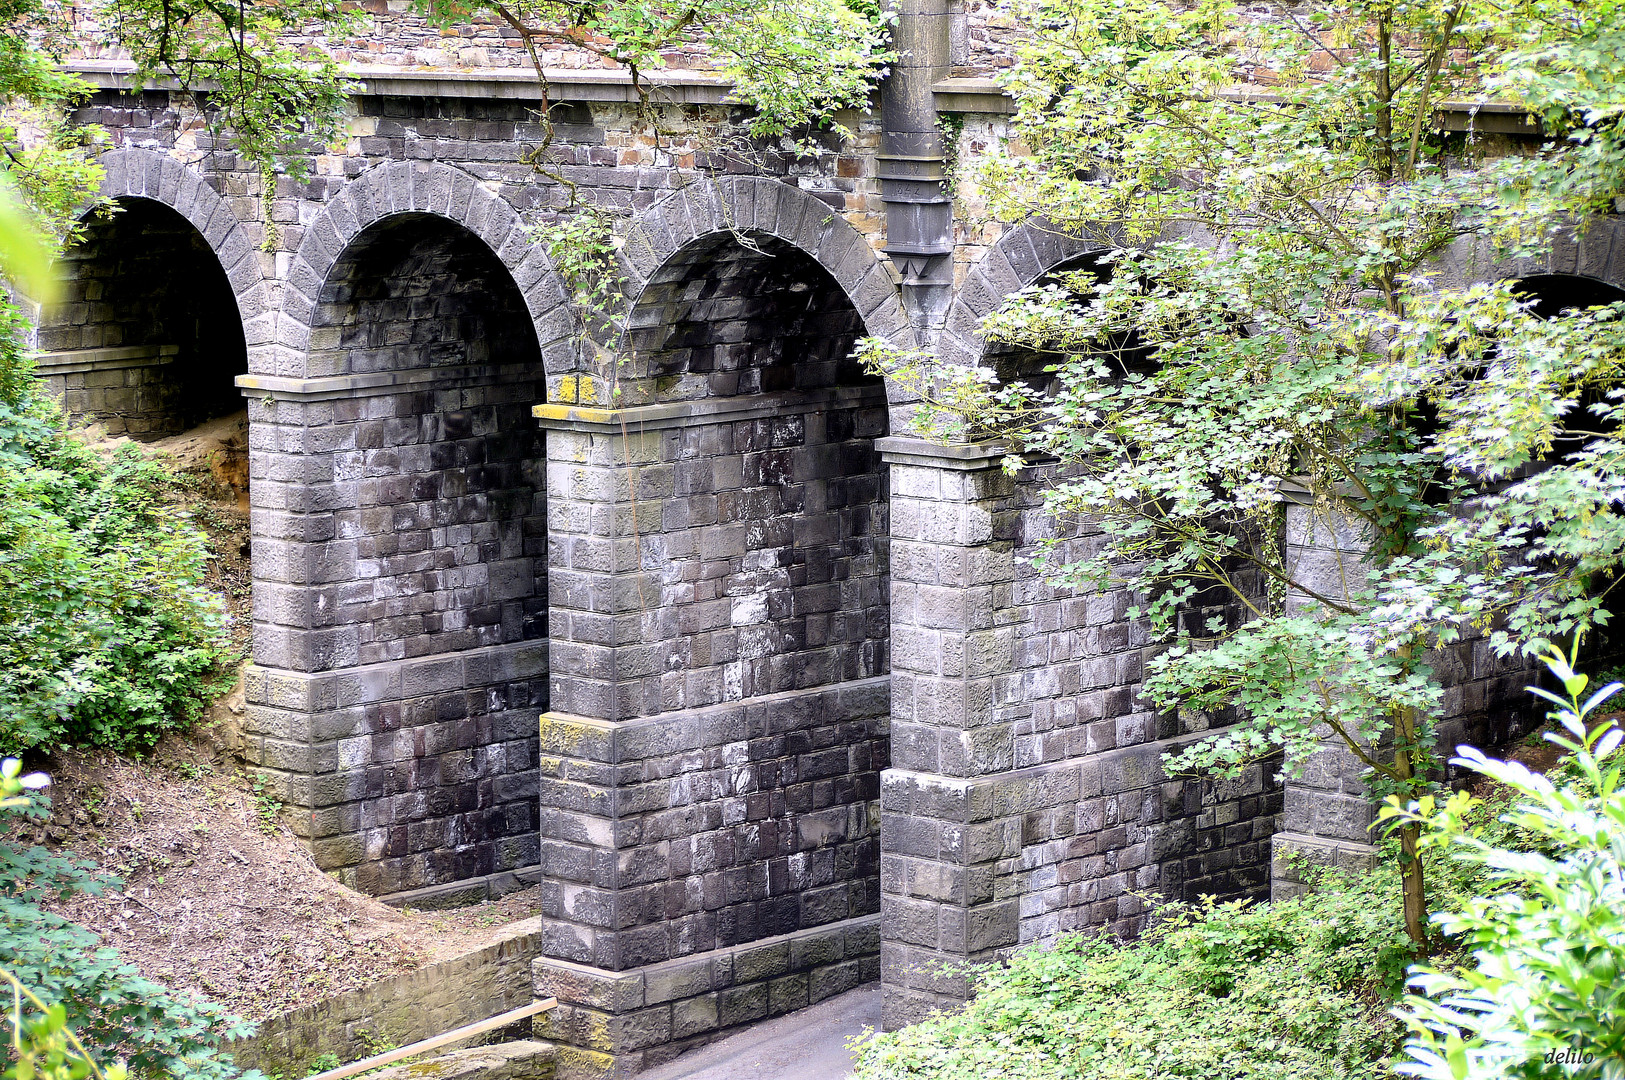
{"x": 43, "y": 1045}
{"x": 793, "y": 62}
{"x": 1266, "y": 329}
{"x": 1297, "y": 989}
{"x": 272, "y": 98}
{"x": 1547, "y": 937}
{"x": 108, "y": 635}
{"x": 1531, "y": 879}
{"x": 82, "y": 988}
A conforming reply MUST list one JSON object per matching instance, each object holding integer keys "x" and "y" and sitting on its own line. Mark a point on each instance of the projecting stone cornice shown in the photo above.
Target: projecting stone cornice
{"x": 564, "y": 84}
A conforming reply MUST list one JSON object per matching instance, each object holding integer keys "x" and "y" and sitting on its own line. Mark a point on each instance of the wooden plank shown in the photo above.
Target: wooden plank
{"x": 467, "y": 1031}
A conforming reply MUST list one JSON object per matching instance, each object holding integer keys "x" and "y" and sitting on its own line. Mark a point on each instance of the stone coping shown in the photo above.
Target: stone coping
{"x": 75, "y": 361}
{"x": 372, "y": 80}
{"x": 965, "y": 94}
{"x": 683, "y": 730}
{"x": 450, "y": 895}
{"x": 1008, "y": 791}
{"x": 907, "y": 450}
{"x": 714, "y": 410}
{"x": 376, "y": 383}
{"x": 392, "y": 680}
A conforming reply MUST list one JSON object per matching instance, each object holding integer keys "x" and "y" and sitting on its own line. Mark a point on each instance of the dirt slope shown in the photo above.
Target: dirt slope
{"x": 219, "y": 898}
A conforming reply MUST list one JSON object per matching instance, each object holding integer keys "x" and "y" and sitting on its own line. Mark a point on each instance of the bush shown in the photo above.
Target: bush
{"x": 107, "y": 635}
{"x": 83, "y": 988}
{"x": 1544, "y": 992}
{"x": 1294, "y": 991}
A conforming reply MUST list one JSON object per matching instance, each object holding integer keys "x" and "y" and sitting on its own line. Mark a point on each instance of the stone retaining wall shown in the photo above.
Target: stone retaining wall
{"x": 408, "y": 1008}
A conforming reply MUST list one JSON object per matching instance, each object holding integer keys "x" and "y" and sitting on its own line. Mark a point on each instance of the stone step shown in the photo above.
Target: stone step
{"x": 520, "y": 1060}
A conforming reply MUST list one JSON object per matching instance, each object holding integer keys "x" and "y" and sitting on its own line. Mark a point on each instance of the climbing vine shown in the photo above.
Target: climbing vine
{"x": 952, "y": 127}
{"x": 584, "y": 248}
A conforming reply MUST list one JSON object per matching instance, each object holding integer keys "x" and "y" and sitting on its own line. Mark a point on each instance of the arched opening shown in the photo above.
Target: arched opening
{"x": 731, "y": 315}
{"x": 146, "y": 342}
{"x": 1030, "y": 362}
{"x": 450, "y": 471}
{"x": 1551, "y": 295}
{"x": 722, "y": 576}
{"x": 1555, "y": 296}
{"x": 799, "y": 492}
{"x": 146, "y": 338}
{"x": 434, "y": 576}
{"x": 1078, "y": 670}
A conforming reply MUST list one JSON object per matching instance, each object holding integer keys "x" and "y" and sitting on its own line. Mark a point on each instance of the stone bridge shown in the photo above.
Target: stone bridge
{"x": 757, "y": 685}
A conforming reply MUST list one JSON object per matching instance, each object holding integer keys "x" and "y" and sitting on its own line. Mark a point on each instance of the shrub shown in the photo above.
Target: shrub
{"x": 1296, "y": 990}
{"x": 1293, "y": 991}
{"x": 83, "y": 988}
{"x": 1543, "y": 992}
{"x": 107, "y": 635}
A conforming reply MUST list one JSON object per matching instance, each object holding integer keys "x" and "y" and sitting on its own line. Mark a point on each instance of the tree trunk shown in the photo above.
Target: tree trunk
{"x": 1413, "y": 887}
{"x": 1412, "y": 884}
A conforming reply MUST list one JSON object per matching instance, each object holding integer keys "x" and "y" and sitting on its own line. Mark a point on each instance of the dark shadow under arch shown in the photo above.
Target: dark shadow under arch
{"x": 754, "y": 319}
{"x": 417, "y": 290}
{"x": 1029, "y": 363}
{"x": 448, "y": 462}
{"x": 147, "y": 337}
{"x": 741, "y": 314}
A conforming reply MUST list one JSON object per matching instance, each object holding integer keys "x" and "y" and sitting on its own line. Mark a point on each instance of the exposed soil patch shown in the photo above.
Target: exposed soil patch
{"x": 219, "y": 897}
{"x": 1534, "y": 752}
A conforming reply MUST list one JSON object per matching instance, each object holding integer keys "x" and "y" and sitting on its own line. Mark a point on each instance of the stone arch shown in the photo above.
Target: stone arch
{"x": 400, "y": 576}
{"x": 147, "y": 174}
{"x": 720, "y": 561}
{"x": 1016, "y": 260}
{"x": 789, "y": 216}
{"x": 1593, "y": 249}
{"x": 436, "y": 190}
{"x": 160, "y": 302}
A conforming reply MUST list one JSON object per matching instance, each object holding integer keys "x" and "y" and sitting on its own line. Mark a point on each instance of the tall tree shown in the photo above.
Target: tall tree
{"x": 1269, "y": 328}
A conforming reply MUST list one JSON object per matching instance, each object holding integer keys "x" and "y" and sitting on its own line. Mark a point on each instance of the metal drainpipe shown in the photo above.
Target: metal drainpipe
{"x": 919, "y": 213}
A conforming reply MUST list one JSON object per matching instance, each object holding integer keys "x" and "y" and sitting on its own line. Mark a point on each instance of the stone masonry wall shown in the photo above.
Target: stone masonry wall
{"x": 450, "y": 522}
{"x": 617, "y": 1024}
{"x": 806, "y": 713}
{"x": 399, "y": 515}
{"x": 146, "y": 336}
{"x": 719, "y": 649}
{"x": 616, "y": 158}
{"x": 730, "y": 824}
{"x": 1027, "y": 796}
{"x": 407, "y": 1008}
{"x": 1327, "y": 813}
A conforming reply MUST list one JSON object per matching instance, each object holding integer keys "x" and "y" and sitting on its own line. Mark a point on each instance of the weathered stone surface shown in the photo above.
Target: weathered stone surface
{"x": 807, "y": 710}
{"x": 689, "y": 1002}
{"x": 408, "y": 1008}
{"x": 523, "y": 1059}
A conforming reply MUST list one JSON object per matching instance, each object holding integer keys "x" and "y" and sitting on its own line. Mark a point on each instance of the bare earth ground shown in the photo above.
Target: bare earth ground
{"x": 218, "y": 897}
